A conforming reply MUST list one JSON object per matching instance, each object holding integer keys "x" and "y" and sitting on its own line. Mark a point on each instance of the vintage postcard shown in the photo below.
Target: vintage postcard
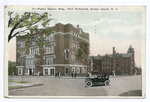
{"x": 54, "y": 51}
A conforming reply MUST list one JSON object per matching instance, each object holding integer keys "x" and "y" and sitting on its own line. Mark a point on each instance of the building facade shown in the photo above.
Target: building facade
{"x": 118, "y": 63}
{"x": 58, "y": 56}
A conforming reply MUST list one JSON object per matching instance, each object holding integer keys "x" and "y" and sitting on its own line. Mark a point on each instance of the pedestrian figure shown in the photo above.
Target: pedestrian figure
{"x": 72, "y": 74}
{"x": 75, "y": 75}
{"x": 39, "y": 74}
{"x": 56, "y": 74}
{"x": 59, "y": 74}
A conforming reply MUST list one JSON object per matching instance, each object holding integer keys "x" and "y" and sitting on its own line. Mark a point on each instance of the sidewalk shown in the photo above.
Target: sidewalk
{"x": 67, "y": 77}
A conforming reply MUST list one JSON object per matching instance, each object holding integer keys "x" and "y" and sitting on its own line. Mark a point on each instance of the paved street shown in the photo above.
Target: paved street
{"x": 120, "y": 85}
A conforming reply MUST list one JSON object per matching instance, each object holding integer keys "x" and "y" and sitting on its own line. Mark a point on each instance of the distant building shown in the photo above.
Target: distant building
{"x": 57, "y": 56}
{"x": 119, "y": 63}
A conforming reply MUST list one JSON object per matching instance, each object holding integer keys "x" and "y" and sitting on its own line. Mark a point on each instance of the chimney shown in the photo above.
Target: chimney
{"x": 114, "y": 55}
{"x": 78, "y": 26}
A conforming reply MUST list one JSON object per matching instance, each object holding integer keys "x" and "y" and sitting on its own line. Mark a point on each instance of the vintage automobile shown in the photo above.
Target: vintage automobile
{"x": 98, "y": 80}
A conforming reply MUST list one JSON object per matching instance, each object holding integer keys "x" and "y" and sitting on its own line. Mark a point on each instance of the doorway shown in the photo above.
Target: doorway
{"x": 30, "y": 71}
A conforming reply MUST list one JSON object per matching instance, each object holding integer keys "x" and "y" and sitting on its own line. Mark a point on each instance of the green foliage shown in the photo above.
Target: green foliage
{"x": 44, "y": 17}
{"x": 34, "y": 18}
{"x": 28, "y": 37}
{"x": 46, "y": 22}
{"x": 28, "y": 20}
{"x": 15, "y": 21}
{"x": 11, "y": 64}
{"x": 46, "y": 31}
{"x": 83, "y": 51}
{"x": 41, "y": 42}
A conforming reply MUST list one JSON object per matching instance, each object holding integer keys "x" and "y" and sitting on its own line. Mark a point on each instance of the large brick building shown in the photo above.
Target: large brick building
{"x": 57, "y": 56}
{"x": 120, "y": 63}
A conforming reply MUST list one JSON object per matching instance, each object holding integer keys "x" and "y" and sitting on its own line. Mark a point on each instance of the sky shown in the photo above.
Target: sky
{"x": 106, "y": 30}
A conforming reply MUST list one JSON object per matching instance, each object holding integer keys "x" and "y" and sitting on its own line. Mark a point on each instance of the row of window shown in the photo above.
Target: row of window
{"x": 73, "y": 48}
{"x": 105, "y": 70}
{"x": 35, "y": 50}
{"x": 48, "y": 61}
{"x": 106, "y": 60}
{"x": 84, "y": 70}
{"x": 106, "y": 65}
{"x": 49, "y": 38}
{"x": 73, "y": 37}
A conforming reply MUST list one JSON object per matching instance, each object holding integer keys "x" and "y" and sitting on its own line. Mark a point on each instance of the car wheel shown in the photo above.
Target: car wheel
{"x": 88, "y": 84}
{"x": 107, "y": 83}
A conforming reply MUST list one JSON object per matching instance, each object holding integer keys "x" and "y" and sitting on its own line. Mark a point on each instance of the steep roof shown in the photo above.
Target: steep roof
{"x": 130, "y": 49}
{"x": 98, "y": 57}
{"x": 121, "y": 55}
{"x": 118, "y": 55}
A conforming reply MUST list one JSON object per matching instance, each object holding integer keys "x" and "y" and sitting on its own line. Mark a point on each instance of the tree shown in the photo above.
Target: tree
{"x": 11, "y": 67}
{"x": 83, "y": 54}
{"x": 27, "y": 23}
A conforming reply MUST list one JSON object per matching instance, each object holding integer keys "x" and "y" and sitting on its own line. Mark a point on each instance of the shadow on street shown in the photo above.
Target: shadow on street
{"x": 132, "y": 93}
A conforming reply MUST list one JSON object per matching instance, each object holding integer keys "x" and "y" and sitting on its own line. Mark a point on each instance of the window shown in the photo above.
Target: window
{"x": 106, "y": 65}
{"x": 73, "y": 70}
{"x": 49, "y": 49}
{"x": 30, "y": 61}
{"x": 66, "y": 54}
{"x": 77, "y": 38}
{"x": 34, "y": 50}
{"x": 46, "y": 71}
{"x": 26, "y": 70}
{"x": 73, "y": 36}
{"x": 103, "y": 70}
{"x": 73, "y": 46}
{"x": 106, "y": 70}
{"x": 51, "y": 71}
{"x": 66, "y": 70}
{"x": 103, "y": 65}
{"x": 73, "y": 59}
{"x": 109, "y": 60}
{"x": 106, "y": 60}
{"x": 78, "y": 70}
{"x": 103, "y": 60}
{"x": 77, "y": 48}
{"x": 21, "y": 62}
{"x": 22, "y": 53}
{"x": 49, "y": 60}
{"x": 22, "y": 44}
{"x": 33, "y": 40}
{"x": 50, "y": 38}
{"x": 109, "y": 70}
{"x": 109, "y": 64}
{"x": 20, "y": 71}
{"x": 83, "y": 71}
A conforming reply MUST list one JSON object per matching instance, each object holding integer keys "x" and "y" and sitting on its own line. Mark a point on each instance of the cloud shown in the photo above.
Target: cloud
{"x": 100, "y": 20}
{"x": 121, "y": 30}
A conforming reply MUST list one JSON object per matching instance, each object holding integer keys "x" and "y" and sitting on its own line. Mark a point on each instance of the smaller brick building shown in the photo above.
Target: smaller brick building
{"x": 120, "y": 63}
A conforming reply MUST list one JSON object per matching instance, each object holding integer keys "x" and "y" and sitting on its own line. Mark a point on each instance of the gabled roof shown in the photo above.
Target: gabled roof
{"x": 98, "y": 57}
{"x": 118, "y": 55}
{"x": 121, "y": 55}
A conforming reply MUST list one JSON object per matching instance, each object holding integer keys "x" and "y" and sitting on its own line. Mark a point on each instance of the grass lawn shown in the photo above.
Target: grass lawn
{"x": 19, "y": 82}
{"x": 16, "y": 87}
